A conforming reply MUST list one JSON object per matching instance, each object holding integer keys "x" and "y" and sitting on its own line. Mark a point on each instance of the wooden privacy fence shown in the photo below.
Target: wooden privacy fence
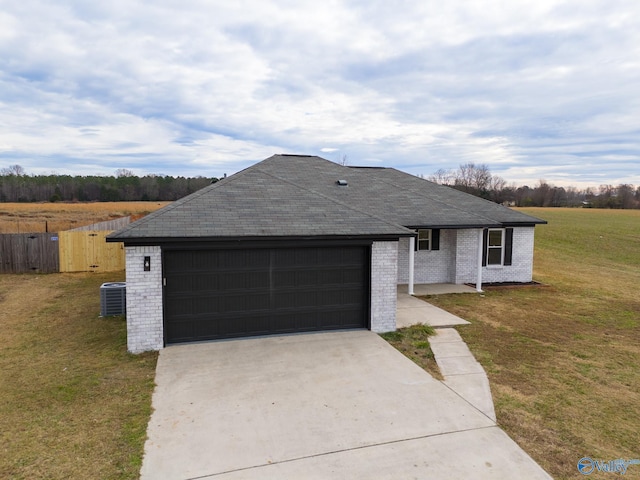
{"x": 29, "y": 252}
{"x": 82, "y": 249}
{"x": 88, "y": 251}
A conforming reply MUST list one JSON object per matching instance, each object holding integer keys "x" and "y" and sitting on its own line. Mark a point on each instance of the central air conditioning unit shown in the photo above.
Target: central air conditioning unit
{"x": 113, "y": 299}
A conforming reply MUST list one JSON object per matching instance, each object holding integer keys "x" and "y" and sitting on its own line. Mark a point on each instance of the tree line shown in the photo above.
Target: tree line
{"x": 478, "y": 180}
{"x": 17, "y": 186}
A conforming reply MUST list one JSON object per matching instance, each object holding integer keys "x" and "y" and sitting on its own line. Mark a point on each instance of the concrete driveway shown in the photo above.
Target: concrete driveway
{"x": 324, "y": 405}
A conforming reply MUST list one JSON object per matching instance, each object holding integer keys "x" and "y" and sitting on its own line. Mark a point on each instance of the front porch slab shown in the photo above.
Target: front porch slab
{"x": 413, "y": 311}
{"x": 437, "y": 288}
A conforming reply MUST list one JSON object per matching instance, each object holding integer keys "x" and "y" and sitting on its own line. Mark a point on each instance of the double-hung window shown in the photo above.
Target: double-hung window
{"x": 424, "y": 239}
{"x": 495, "y": 246}
{"x": 428, "y": 239}
{"x": 498, "y": 247}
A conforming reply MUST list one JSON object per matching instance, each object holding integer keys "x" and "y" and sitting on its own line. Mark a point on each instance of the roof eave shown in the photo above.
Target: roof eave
{"x": 148, "y": 241}
{"x": 477, "y": 225}
{"x": 455, "y": 226}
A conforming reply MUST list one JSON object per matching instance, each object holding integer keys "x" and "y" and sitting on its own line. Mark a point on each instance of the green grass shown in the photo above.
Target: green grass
{"x": 73, "y": 403}
{"x": 414, "y": 343}
{"x": 564, "y": 360}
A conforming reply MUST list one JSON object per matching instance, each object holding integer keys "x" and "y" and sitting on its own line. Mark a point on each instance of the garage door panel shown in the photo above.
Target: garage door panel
{"x": 190, "y": 283}
{"x": 197, "y": 283}
{"x": 242, "y": 280}
{"x": 241, "y": 259}
{"x": 294, "y": 258}
{"x": 213, "y": 294}
{"x": 344, "y": 297}
{"x": 351, "y": 296}
{"x": 188, "y": 329}
{"x": 341, "y": 276}
{"x": 352, "y": 275}
{"x": 295, "y": 278}
{"x": 246, "y": 301}
{"x": 289, "y": 322}
{"x": 331, "y": 257}
{"x": 339, "y": 316}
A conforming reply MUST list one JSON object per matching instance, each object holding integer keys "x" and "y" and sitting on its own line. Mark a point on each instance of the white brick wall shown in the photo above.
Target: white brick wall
{"x": 433, "y": 266}
{"x": 466, "y": 266}
{"x": 521, "y": 269}
{"x": 457, "y": 259}
{"x": 144, "y": 300}
{"x": 384, "y": 275}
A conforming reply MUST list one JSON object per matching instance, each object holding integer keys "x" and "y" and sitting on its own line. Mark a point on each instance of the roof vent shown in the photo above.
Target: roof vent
{"x": 342, "y": 183}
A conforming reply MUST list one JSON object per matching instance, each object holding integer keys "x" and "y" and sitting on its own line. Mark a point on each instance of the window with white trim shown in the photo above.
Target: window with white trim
{"x": 424, "y": 239}
{"x": 495, "y": 246}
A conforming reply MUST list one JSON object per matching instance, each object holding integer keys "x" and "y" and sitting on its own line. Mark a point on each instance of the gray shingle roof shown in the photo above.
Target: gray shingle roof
{"x": 298, "y": 196}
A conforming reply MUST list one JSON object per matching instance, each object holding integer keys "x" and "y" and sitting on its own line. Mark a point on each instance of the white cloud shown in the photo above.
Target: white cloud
{"x": 530, "y": 88}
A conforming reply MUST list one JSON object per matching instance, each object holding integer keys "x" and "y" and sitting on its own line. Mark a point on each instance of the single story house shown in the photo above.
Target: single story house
{"x": 297, "y": 243}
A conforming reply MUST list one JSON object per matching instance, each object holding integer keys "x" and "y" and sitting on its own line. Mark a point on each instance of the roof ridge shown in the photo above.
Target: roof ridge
{"x": 360, "y": 172}
{"x": 430, "y": 198}
{"x": 332, "y": 199}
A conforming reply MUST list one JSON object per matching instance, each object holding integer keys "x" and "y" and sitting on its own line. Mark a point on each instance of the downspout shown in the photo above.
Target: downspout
{"x": 412, "y": 246}
{"x": 479, "y": 275}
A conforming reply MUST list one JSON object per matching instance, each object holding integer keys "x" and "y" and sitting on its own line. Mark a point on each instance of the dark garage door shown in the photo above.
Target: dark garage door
{"x": 213, "y": 294}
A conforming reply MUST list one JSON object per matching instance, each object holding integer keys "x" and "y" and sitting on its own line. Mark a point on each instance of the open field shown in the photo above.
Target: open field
{"x": 73, "y": 403}
{"x": 564, "y": 360}
{"x": 56, "y": 217}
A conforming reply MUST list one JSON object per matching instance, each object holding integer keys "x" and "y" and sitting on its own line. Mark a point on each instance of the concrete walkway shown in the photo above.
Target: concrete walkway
{"x": 461, "y": 371}
{"x": 324, "y": 405}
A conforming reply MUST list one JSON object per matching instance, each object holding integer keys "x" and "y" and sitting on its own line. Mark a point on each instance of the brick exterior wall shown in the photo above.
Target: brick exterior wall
{"x": 431, "y": 266}
{"x": 521, "y": 269}
{"x": 466, "y": 265}
{"x": 384, "y": 296}
{"x": 457, "y": 259}
{"x": 144, "y": 300}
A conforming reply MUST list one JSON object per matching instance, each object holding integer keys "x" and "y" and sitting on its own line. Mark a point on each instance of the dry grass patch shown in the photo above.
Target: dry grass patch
{"x": 56, "y": 217}
{"x": 74, "y": 404}
{"x": 564, "y": 361}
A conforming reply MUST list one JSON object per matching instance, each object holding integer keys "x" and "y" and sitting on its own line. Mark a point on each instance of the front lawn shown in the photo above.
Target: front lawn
{"x": 564, "y": 360}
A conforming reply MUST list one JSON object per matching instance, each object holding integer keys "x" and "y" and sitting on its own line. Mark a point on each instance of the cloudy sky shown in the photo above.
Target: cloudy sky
{"x": 534, "y": 89}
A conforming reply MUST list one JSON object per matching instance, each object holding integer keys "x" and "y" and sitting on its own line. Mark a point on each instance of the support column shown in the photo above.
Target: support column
{"x": 479, "y": 275}
{"x": 412, "y": 248}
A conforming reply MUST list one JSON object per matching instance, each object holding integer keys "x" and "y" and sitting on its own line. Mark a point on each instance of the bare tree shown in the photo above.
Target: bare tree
{"x": 14, "y": 170}
{"x": 626, "y": 196}
{"x": 123, "y": 172}
{"x": 476, "y": 180}
{"x": 497, "y": 183}
{"x": 442, "y": 177}
{"x": 464, "y": 177}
